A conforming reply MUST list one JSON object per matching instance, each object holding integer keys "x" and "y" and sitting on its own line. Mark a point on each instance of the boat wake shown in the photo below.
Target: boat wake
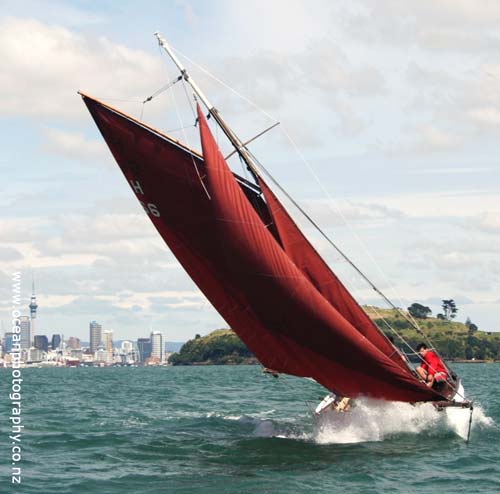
{"x": 374, "y": 420}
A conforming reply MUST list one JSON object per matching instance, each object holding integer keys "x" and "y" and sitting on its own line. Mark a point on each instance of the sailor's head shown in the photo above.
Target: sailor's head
{"x": 422, "y": 349}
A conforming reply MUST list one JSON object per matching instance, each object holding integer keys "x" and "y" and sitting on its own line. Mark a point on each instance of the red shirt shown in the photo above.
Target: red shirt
{"x": 432, "y": 363}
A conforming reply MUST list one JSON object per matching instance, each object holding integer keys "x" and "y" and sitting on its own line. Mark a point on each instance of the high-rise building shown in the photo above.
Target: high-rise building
{"x": 144, "y": 348}
{"x": 107, "y": 340}
{"x": 41, "y": 342}
{"x": 7, "y": 342}
{"x": 33, "y": 307}
{"x": 56, "y": 341}
{"x": 157, "y": 345}
{"x": 25, "y": 332}
{"x": 73, "y": 342}
{"x": 95, "y": 335}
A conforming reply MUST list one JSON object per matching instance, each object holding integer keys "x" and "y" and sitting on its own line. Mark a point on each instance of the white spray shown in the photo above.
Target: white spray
{"x": 375, "y": 420}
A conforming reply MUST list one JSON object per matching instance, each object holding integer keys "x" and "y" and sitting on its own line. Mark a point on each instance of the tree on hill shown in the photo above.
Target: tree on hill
{"x": 419, "y": 311}
{"x": 471, "y": 327}
{"x": 449, "y": 309}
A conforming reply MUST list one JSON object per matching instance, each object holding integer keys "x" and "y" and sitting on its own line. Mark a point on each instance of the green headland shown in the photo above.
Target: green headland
{"x": 453, "y": 340}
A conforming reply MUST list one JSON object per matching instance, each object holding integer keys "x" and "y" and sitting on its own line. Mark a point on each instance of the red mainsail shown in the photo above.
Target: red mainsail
{"x": 245, "y": 271}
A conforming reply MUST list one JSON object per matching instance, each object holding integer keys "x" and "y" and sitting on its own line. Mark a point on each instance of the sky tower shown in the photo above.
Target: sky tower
{"x": 33, "y": 307}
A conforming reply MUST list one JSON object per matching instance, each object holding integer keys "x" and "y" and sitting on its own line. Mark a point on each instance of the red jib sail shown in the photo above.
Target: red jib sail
{"x": 305, "y": 257}
{"x": 216, "y": 233}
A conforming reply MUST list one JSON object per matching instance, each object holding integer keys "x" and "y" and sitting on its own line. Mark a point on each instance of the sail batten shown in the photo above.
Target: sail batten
{"x": 243, "y": 268}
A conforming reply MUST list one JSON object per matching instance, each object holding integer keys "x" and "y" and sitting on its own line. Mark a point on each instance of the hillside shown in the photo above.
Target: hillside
{"x": 452, "y": 340}
{"x": 221, "y": 346}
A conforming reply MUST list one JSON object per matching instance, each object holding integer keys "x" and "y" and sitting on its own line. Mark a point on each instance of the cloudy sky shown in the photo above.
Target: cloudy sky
{"x": 395, "y": 107}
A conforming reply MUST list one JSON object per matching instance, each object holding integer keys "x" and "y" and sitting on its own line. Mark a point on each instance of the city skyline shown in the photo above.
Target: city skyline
{"x": 30, "y": 348}
{"x": 101, "y": 350}
{"x": 93, "y": 336}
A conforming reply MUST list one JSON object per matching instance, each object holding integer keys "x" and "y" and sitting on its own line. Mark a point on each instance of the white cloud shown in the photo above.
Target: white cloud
{"x": 430, "y": 139}
{"x": 75, "y": 145}
{"x": 450, "y": 25}
{"x": 44, "y": 66}
{"x": 488, "y": 222}
{"x": 457, "y": 204}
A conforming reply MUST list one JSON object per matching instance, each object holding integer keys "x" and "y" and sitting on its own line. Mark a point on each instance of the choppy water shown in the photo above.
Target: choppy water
{"x": 234, "y": 430}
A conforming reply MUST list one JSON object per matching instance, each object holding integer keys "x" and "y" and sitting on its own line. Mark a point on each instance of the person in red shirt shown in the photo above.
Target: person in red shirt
{"x": 432, "y": 370}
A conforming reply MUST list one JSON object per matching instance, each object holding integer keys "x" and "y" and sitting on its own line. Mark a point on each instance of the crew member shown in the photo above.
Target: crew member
{"x": 432, "y": 370}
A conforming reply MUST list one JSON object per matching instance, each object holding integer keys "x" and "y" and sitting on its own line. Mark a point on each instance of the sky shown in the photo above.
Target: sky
{"x": 389, "y": 134}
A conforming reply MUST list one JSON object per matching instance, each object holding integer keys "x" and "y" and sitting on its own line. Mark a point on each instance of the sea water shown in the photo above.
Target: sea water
{"x": 233, "y": 429}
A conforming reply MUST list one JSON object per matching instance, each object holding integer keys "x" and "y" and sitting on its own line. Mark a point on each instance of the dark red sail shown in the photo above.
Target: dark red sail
{"x": 223, "y": 244}
{"x": 306, "y": 258}
{"x": 284, "y": 300}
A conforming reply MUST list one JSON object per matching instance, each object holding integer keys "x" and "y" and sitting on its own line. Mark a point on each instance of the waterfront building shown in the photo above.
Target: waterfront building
{"x": 76, "y": 353}
{"x": 36, "y": 355}
{"x": 157, "y": 346}
{"x": 127, "y": 353}
{"x": 95, "y": 335}
{"x": 73, "y": 342}
{"x": 41, "y": 342}
{"x": 33, "y": 307}
{"x": 126, "y": 347}
{"x": 7, "y": 342}
{"x": 144, "y": 348}
{"x": 101, "y": 355}
{"x": 56, "y": 341}
{"x": 25, "y": 332}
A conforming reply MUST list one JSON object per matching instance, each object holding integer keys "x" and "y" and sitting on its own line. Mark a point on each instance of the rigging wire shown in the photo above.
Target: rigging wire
{"x": 303, "y": 159}
{"x": 187, "y": 139}
{"x": 408, "y": 316}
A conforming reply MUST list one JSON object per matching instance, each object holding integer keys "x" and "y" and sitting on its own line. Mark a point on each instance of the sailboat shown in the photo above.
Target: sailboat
{"x": 244, "y": 251}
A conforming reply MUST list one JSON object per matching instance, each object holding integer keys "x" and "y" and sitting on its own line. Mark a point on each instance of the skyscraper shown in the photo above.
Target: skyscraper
{"x": 95, "y": 335}
{"x": 157, "y": 346}
{"x": 107, "y": 339}
{"x": 25, "y": 332}
{"x": 144, "y": 348}
{"x": 56, "y": 341}
{"x": 41, "y": 342}
{"x": 33, "y": 307}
